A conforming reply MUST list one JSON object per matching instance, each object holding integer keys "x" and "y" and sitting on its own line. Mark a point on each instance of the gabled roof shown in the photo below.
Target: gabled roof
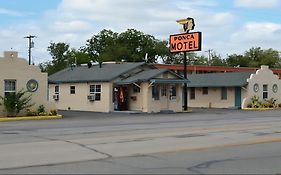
{"x": 152, "y": 75}
{"x": 234, "y": 79}
{"x": 106, "y": 73}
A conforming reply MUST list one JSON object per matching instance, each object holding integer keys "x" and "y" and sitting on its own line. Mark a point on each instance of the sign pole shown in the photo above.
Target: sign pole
{"x": 185, "y": 84}
{"x": 185, "y": 42}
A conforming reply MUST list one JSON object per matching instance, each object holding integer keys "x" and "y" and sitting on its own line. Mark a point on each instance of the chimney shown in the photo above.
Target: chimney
{"x": 10, "y": 54}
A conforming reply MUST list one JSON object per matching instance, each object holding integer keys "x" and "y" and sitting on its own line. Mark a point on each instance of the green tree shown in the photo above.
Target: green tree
{"x": 216, "y": 60}
{"x": 15, "y": 102}
{"x": 200, "y": 60}
{"x": 255, "y": 57}
{"x": 130, "y": 46}
{"x": 99, "y": 46}
{"x": 235, "y": 60}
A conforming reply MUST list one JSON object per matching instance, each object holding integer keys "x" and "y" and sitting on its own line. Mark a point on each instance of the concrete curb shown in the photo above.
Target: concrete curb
{"x": 30, "y": 118}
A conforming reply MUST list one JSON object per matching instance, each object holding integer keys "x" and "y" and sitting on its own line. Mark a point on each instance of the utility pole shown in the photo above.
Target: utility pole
{"x": 30, "y": 45}
{"x": 209, "y": 56}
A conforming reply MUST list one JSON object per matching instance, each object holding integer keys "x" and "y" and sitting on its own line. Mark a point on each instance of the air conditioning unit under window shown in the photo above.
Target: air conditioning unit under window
{"x": 56, "y": 97}
{"x": 91, "y": 97}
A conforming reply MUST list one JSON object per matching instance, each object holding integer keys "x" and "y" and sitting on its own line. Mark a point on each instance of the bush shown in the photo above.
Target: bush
{"x": 53, "y": 112}
{"x": 41, "y": 109}
{"x": 256, "y": 103}
{"x": 31, "y": 113}
{"x": 15, "y": 102}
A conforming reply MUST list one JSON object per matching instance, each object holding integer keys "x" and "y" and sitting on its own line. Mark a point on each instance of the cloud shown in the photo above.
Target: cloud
{"x": 9, "y": 12}
{"x": 74, "y": 22}
{"x": 257, "y": 3}
{"x": 71, "y": 26}
{"x": 258, "y": 32}
{"x": 252, "y": 34}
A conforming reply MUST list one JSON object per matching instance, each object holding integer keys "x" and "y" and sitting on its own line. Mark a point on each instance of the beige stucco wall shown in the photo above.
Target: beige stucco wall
{"x": 135, "y": 98}
{"x": 164, "y": 102}
{"x": 79, "y": 101}
{"x": 213, "y": 99}
{"x": 14, "y": 68}
{"x": 261, "y": 77}
{"x": 143, "y": 102}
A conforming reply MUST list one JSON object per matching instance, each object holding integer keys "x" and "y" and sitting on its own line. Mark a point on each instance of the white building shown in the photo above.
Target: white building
{"x": 16, "y": 75}
{"x": 116, "y": 87}
{"x": 232, "y": 90}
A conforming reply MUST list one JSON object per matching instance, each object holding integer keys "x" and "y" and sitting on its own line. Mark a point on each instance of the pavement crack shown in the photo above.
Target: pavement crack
{"x": 76, "y": 143}
{"x": 205, "y": 165}
{"x": 89, "y": 148}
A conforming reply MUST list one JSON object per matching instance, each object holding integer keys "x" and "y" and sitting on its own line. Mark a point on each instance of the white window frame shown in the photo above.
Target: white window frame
{"x": 72, "y": 91}
{"x": 96, "y": 89}
{"x": 57, "y": 89}
{"x": 10, "y": 90}
{"x": 265, "y": 91}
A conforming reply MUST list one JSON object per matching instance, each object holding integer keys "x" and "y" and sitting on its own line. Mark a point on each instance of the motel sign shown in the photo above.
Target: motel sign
{"x": 185, "y": 42}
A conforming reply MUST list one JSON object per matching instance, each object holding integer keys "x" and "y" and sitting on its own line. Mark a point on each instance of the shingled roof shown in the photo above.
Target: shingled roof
{"x": 151, "y": 75}
{"x": 105, "y": 73}
{"x": 233, "y": 79}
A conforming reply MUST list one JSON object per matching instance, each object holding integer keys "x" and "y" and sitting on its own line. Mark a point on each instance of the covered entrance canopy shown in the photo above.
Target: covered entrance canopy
{"x": 153, "y": 76}
{"x": 149, "y": 90}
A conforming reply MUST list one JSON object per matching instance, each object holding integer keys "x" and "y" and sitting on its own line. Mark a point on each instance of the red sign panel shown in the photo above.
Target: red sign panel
{"x": 186, "y": 42}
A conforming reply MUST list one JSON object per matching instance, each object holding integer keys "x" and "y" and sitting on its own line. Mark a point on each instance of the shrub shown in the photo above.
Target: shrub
{"x": 15, "y": 102}
{"x": 41, "y": 109}
{"x": 43, "y": 114}
{"x": 53, "y": 112}
{"x": 31, "y": 113}
{"x": 255, "y": 102}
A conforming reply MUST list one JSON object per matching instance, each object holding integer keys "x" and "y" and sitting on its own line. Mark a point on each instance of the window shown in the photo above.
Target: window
{"x": 192, "y": 93}
{"x": 155, "y": 92}
{"x": 57, "y": 89}
{"x": 136, "y": 89}
{"x": 173, "y": 92}
{"x": 96, "y": 90}
{"x": 163, "y": 90}
{"x": 265, "y": 91}
{"x": 10, "y": 86}
{"x": 72, "y": 89}
{"x": 205, "y": 90}
{"x": 224, "y": 93}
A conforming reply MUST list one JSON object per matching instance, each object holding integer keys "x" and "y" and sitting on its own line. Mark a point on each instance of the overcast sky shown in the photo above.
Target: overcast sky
{"x": 228, "y": 26}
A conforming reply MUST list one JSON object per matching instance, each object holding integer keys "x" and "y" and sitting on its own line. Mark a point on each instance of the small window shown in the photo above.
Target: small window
{"x": 205, "y": 90}
{"x": 72, "y": 89}
{"x": 192, "y": 93}
{"x": 163, "y": 90}
{"x": 57, "y": 89}
{"x": 173, "y": 92}
{"x": 155, "y": 92}
{"x": 96, "y": 90}
{"x": 224, "y": 93}
{"x": 10, "y": 86}
{"x": 265, "y": 91}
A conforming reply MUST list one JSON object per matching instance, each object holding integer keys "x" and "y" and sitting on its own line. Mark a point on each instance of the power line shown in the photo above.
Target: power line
{"x": 30, "y": 45}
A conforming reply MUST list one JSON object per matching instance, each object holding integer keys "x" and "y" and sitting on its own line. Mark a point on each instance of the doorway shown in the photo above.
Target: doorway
{"x": 120, "y": 98}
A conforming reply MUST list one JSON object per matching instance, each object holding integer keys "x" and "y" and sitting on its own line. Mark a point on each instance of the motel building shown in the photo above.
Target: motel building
{"x": 233, "y": 89}
{"x": 116, "y": 86}
{"x": 16, "y": 74}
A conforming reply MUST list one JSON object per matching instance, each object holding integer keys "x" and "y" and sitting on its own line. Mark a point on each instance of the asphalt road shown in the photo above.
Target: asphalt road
{"x": 204, "y": 141}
